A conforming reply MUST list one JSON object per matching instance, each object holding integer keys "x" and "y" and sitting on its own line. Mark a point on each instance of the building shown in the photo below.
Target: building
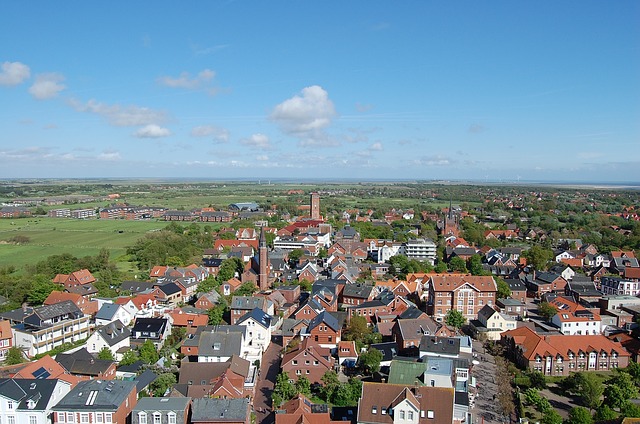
{"x": 574, "y": 319}
{"x": 493, "y": 323}
{"x": 110, "y": 312}
{"x": 115, "y": 336}
{"x": 83, "y": 364}
{"x": 258, "y": 325}
{"x": 309, "y": 359}
{"x": 420, "y": 249}
{"x": 163, "y": 410}
{"x": 325, "y": 330}
{"x": 558, "y": 354}
{"x": 226, "y": 411}
{"x": 465, "y": 293}
{"x": 395, "y": 403}
{"x": 314, "y": 200}
{"x": 618, "y": 286}
{"x": 154, "y": 329}
{"x": 97, "y": 401}
{"x": 263, "y": 255}
{"x": 29, "y": 401}
{"x": 6, "y": 338}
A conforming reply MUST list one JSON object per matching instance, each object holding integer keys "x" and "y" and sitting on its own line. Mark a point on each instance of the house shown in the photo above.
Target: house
{"x": 115, "y": 336}
{"x": 290, "y": 293}
{"x": 170, "y": 294}
{"x": 96, "y": 401}
{"x": 465, "y": 293}
{"x": 84, "y": 364}
{"x": 448, "y": 347}
{"x": 325, "y": 330}
{"x": 355, "y": 294}
{"x": 301, "y": 410}
{"x": 395, "y": 403}
{"x": 545, "y": 282}
{"x": 208, "y": 300}
{"x": 619, "y": 286}
{"x": 582, "y": 288}
{"x": 308, "y": 311}
{"x": 493, "y": 323}
{"x": 187, "y": 320}
{"x": 258, "y": 325}
{"x": 232, "y": 379}
{"x": 222, "y": 342}
{"x": 87, "y": 306}
{"x": 134, "y": 287}
{"x": 408, "y": 332}
{"x": 6, "y": 338}
{"x": 574, "y": 319}
{"x": 561, "y": 354}
{"x": 383, "y": 304}
{"x": 46, "y": 368}
{"x": 292, "y": 328}
{"x": 29, "y": 400}
{"x": 76, "y": 278}
{"x": 50, "y": 326}
{"x": 512, "y": 307}
{"x": 162, "y": 410}
{"x": 230, "y": 286}
{"x": 214, "y": 411}
{"x": 389, "y": 351}
{"x": 518, "y": 288}
{"x": 347, "y": 353}
{"x": 110, "y": 312}
{"x": 154, "y": 329}
{"x": 240, "y": 305}
{"x": 401, "y": 287}
{"x": 309, "y": 359}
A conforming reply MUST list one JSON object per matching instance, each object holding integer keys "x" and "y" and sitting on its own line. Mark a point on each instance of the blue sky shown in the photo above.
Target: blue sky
{"x": 479, "y": 90}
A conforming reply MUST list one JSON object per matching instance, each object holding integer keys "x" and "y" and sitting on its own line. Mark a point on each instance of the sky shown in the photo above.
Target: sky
{"x": 499, "y": 91}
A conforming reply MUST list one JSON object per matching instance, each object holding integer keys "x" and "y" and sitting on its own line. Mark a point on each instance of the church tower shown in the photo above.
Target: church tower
{"x": 263, "y": 276}
{"x": 315, "y": 205}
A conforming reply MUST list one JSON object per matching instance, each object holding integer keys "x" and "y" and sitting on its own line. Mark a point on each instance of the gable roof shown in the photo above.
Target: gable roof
{"x": 114, "y": 332}
{"x": 108, "y": 311}
{"x": 447, "y": 283}
{"x": 105, "y": 395}
{"x": 258, "y": 315}
{"x": 327, "y": 318}
{"x": 28, "y": 391}
{"x": 83, "y": 363}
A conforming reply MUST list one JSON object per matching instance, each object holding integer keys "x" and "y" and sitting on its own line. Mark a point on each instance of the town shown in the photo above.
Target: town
{"x": 500, "y": 305}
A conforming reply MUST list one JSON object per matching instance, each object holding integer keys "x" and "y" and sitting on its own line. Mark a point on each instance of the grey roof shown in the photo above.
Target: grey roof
{"x": 410, "y": 313}
{"x": 327, "y": 318}
{"x": 546, "y": 277}
{"x": 83, "y": 363}
{"x": 247, "y": 302}
{"x": 258, "y": 316}
{"x": 162, "y": 404}
{"x": 170, "y": 288}
{"x": 219, "y": 410}
{"x": 114, "y": 332}
{"x": 155, "y": 325}
{"x": 201, "y": 373}
{"x": 135, "y": 286}
{"x": 25, "y": 390}
{"x": 219, "y": 343}
{"x": 362, "y": 291}
{"x": 107, "y": 311}
{"x": 144, "y": 379}
{"x": 584, "y": 287}
{"x": 440, "y": 345}
{"x": 47, "y": 312}
{"x": 389, "y": 349}
{"x": 416, "y": 328}
{"x": 289, "y": 323}
{"x": 135, "y": 367}
{"x": 96, "y": 395}
{"x": 515, "y": 284}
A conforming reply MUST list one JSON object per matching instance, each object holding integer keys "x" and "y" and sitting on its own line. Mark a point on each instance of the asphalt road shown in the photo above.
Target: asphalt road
{"x": 269, "y": 369}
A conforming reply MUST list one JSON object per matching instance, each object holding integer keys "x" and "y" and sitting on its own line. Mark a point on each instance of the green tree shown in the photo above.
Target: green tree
{"x": 457, "y": 264}
{"x": 357, "y": 329}
{"x": 283, "y": 390}
{"x": 306, "y": 285}
{"x": 620, "y": 388}
{"x": 216, "y": 314}
{"x": 441, "y": 267}
{"x": 551, "y": 417}
{"x": 14, "y": 356}
{"x": 630, "y": 410}
{"x": 604, "y": 413}
{"x": 41, "y": 288}
{"x": 129, "y": 357}
{"x": 455, "y": 318}
{"x": 546, "y": 310}
{"x": 148, "y": 352}
{"x": 303, "y": 385}
{"x": 369, "y": 361}
{"x": 579, "y": 415}
{"x": 161, "y": 384}
{"x": 246, "y": 289}
{"x": 591, "y": 389}
{"x": 504, "y": 291}
{"x": 475, "y": 265}
{"x": 538, "y": 381}
{"x": 330, "y": 385}
{"x": 228, "y": 269}
{"x": 106, "y": 354}
{"x": 295, "y": 255}
{"x": 538, "y": 257}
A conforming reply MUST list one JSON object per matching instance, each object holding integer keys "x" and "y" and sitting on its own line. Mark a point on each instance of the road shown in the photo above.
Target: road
{"x": 485, "y": 410}
{"x": 269, "y": 369}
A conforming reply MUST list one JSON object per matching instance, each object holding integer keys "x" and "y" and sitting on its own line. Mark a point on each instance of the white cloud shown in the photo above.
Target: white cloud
{"x": 259, "y": 141}
{"x": 262, "y": 158}
{"x": 122, "y": 116}
{"x": 152, "y": 131}
{"x": 436, "y": 160}
{"x": 306, "y": 116}
{"x": 109, "y": 155}
{"x": 47, "y": 86}
{"x": 13, "y": 73}
{"x": 376, "y": 146}
{"x": 217, "y": 133}
{"x": 199, "y": 82}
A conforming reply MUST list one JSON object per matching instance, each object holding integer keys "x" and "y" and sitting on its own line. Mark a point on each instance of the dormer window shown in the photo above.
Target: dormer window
{"x": 374, "y": 409}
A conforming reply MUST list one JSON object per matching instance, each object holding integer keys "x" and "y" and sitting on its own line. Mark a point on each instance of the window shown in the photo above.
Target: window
{"x": 100, "y": 417}
{"x": 172, "y": 418}
{"x": 33, "y": 419}
{"x": 61, "y": 417}
{"x": 410, "y": 415}
{"x": 70, "y": 417}
{"x": 142, "y": 418}
{"x": 10, "y": 405}
{"x": 84, "y": 418}
{"x": 294, "y": 362}
{"x": 374, "y": 410}
{"x": 11, "y": 419}
{"x": 430, "y": 414}
{"x": 108, "y": 417}
{"x": 157, "y": 418}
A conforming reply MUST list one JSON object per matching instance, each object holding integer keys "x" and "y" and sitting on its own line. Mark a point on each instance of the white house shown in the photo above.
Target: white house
{"x": 115, "y": 336}
{"x": 572, "y": 319}
{"x": 258, "y": 325}
{"x": 494, "y": 322}
{"x": 110, "y": 312}
{"x": 29, "y": 401}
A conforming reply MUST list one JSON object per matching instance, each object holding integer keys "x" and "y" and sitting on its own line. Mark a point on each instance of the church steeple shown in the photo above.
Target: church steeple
{"x": 263, "y": 276}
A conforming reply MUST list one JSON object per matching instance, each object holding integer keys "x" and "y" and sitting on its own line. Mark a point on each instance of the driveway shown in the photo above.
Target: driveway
{"x": 485, "y": 409}
{"x": 269, "y": 369}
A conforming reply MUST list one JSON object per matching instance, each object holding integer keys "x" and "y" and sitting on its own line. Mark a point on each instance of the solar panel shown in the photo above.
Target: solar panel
{"x": 41, "y": 373}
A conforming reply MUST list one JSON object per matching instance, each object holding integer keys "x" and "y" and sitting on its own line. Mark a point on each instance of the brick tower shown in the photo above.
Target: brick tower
{"x": 315, "y": 205}
{"x": 263, "y": 276}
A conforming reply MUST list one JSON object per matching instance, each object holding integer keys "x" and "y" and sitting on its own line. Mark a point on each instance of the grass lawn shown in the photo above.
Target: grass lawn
{"x": 51, "y": 236}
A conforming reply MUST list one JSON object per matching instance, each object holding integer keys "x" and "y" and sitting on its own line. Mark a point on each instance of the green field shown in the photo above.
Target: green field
{"x": 51, "y": 236}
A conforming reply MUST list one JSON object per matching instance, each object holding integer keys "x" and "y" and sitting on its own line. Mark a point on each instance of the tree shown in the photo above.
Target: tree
{"x": 441, "y": 267}
{"x": 246, "y": 289}
{"x": 620, "y": 388}
{"x": 538, "y": 257}
{"x": 295, "y": 255}
{"x": 551, "y": 417}
{"x": 216, "y": 314}
{"x": 604, "y": 413}
{"x": 129, "y": 357}
{"x": 106, "y": 354}
{"x": 475, "y": 265}
{"x": 504, "y": 291}
{"x": 630, "y": 410}
{"x": 591, "y": 389}
{"x": 455, "y": 318}
{"x": 303, "y": 385}
{"x": 41, "y": 288}
{"x": 228, "y": 269}
{"x": 330, "y": 385}
{"x": 579, "y": 415}
{"x": 161, "y": 384}
{"x": 546, "y": 310}
{"x": 458, "y": 264}
{"x": 305, "y": 285}
{"x": 148, "y": 353}
{"x": 370, "y": 361}
{"x": 283, "y": 390}
{"x": 14, "y": 356}
{"x": 357, "y": 329}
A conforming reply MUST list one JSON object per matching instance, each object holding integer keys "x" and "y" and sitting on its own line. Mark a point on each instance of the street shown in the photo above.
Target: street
{"x": 486, "y": 409}
{"x": 269, "y": 369}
